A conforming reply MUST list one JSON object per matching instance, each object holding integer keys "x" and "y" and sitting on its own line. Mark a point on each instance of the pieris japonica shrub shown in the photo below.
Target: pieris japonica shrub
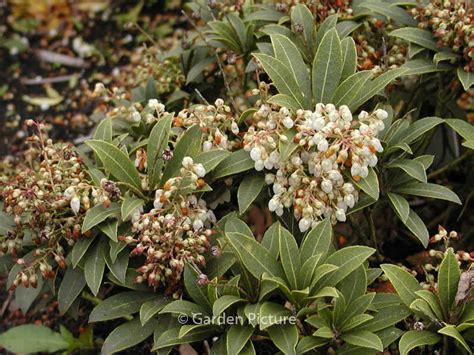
{"x": 271, "y": 188}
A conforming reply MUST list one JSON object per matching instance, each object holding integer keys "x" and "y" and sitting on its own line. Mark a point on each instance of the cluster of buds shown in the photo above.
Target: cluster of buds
{"x": 375, "y": 51}
{"x": 323, "y": 145}
{"x": 452, "y": 24}
{"x": 466, "y": 102}
{"x": 445, "y": 238}
{"x": 322, "y": 8}
{"x": 175, "y": 232}
{"x": 166, "y": 73}
{"x": 216, "y": 121}
{"x": 47, "y": 201}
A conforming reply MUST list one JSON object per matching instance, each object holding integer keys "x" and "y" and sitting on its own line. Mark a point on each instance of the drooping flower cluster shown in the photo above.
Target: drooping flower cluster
{"x": 307, "y": 155}
{"x": 375, "y": 51}
{"x": 216, "y": 121}
{"x": 47, "y": 201}
{"x": 176, "y": 231}
{"x": 452, "y": 25}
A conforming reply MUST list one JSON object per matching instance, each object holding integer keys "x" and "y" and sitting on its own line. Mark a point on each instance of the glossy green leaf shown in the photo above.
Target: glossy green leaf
{"x": 412, "y": 167}
{"x": 400, "y": 206}
{"x": 271, "y": 239}
{"x": 404, "y": 283}
{"x": 370, "y": 184}
{"x": 103, "y": 131}
{"x": 71, "y": 287}
{"x": 416, "y": 35}
{"x": 127, "y": 335}
{"x": 301, "y": 15}
{"x": 116, "y": 162}
{"x": 428, "y": 190}
{"x": 211, "y": 159}
{"x": 283, "y": 100}
{"x": 420, "y": 127}
{"x": 239, "y": 161}
{"x": 285, "y": 337}
{"x": 448, "y": 280}
{"x": 416, "y": 225}
{"x": 248, "y": 191}
{"x": 317, "y": 241}
{"x": 31, "y": 338}
{"x": 327, "y": 67}
{"x": 94, "y": 267}
{"x": 289, "y": 257}
{"x": 98, "y": 214}
{"x": 413, "y": 339}
{"x": 466, "y": 78}
{"x": 363, "y": 339}
{"x": 157, "y": 143}
{"x": 150, "y": 309}
{"x": 351, "y": 88}
{"x": 349, "y": 55}
{"x": 237, "y": 337}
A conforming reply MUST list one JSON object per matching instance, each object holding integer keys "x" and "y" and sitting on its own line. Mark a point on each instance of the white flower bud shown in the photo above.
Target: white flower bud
{"x": 273, "y": 205}
{"x": 75, "y": 204}
{"x": 206, "y": 146}
{"x": 355, "y": 169}
{"x": 326, "y": 186}
{"x": 364, "y": 171}
{"x": 234, "y": 128}
{"x": 323, "y": 145}
{"x": 318, "y": 124}
{"x": 363, "y": 128}
{"x": 288, "y": 122}
{"x": 304, "y": 224}
{"x": 381, "y": 114}
{"x": 69, "y": 192}
{"x": 198, "y": 225}
{"x": 349, "y": 200}
{"x": 199, "y": 170}
{"x": 187, "y": 162}
{"x": 256, "y": 154}
{"x": 340, "y": 215}
{"x": 259, "y": 165}
{"x": 136, "y": 117}
{"x": 269, "y": 179}
{"x": 219, "y": 102}
{"x": 326, "y": 164}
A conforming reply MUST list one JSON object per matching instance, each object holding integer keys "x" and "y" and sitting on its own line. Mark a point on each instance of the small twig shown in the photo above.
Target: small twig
{"x": 449, "y": 165}
{"x": 6, "y": 303}
{"x": 40, "y": 80}
{"x": 57, "y": 58}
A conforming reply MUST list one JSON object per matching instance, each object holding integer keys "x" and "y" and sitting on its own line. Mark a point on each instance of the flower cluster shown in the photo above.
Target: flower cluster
{"x": 452, "y": 24}
{"x": 321, "y": 8}
{"x": 374, "y": 50}
{"x": 307, "y": 154}
{"x": 176, "y": 231}
{"x": 166, "y": 73}
{"x": 47, "y": 202}
{"x": 216, "y": 121}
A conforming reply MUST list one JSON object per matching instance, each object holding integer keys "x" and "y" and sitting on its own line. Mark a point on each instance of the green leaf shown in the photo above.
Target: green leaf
{"x": 127, "y": 335}
{"x": 287, "y": 147}
{"x": 308, "y": 343}
{"x": 412, "y": 167}
{"x": 289, "y": 257}
{"x": 255, "y": 257}
{"x": 463, "y": 128}
{"x": 197, "y": 293}
{"x": 283, "y": 100}
{"x": 31, "y": 338}
{"x": 423, "y": 66}
{"x": 271, "y": 313}
{"x": 375, "y": 87}
{"x": 389, "y": 335}
{"x": 285, "y": 337}
{"x": 428, "y": 190}
{"x": 94, "y": 267}
{"x": 347, "y": 259}
{"x": 445, "y": 56}
{"x": 238, "y": 162}
{"x": 355, "y": 321}
{"x": 308, "y": 270}
{"x": 237, "y": 337}
{"x": 301, "y": 15}
{"x": 223, "y": 303}
{"x": 157, "y": 143}
{"x": 188, "y": 145}
{"x": 171, "y": 337}
{"x": 349, "y": 55}
{"x": 116, "y": 162}
{"x": 419, "y": 128}
{"x": 387, "y": 317}
{"x": 399, "y": 15}
{"x": 289, "y": 55}
{"x": 71, "y": 287}
{"x": 211, "y": 159}
{"x": 363, "y": 339}
{"x": 103, "y": 131}
{"x": 130, "y": 204}
{"x": 183, "y": 307}
{"x": 448, "y": 280}
{"x": 120, "y": 305}
{"x": 466, "y": 78}
{"x": 416, "y": 225}
{"x": 328, "y": 24}
{"x": 150, "y": 90}
{"x": 451, "y": 331}
{"x": 420, "y": 306}
{"x": 432, "y": 301}
{"x": 413, "y": 339}
{"x": 282, "y": 77}
{"x": 98, "y": 214}
{"x": 324, "y": 332}
{"x": 271, "y": 239}
{"x": 370, "y": 184}
{"x": 345, "y": 28}
{"x": 149, "y": 309}
{"x": 415, "y": 35}
{"x": 360, "y": 304}
{"x": 327, "y": 67}
{"x": 249, "y": 190}
{"x": 404, "y": 283}
{"x": 355, "y": 285}
{"x": 118, "y": 267}
{"x": 351, "y": 88}
{"x": 317, "y": 241}
{"x": 25, "y": 296}
{"x": 80, "y": 249}
{"x": 400, "y": 206}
